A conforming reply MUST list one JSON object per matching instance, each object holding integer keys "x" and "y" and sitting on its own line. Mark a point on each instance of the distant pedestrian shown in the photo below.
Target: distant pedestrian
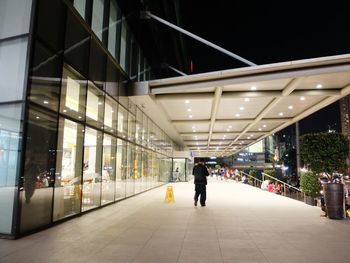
{"x": 200, "y": 173}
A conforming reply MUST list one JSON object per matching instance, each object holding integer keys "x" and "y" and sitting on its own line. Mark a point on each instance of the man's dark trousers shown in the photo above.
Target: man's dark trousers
{"x": 201, "y": 190}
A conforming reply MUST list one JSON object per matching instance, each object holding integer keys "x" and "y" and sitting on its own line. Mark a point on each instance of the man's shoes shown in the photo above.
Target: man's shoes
{"x": 203, "y": 205}
{"x": 195, "y": 203}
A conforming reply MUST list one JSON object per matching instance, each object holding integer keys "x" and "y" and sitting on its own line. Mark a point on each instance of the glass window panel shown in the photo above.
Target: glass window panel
{"x": 114, "y": 29}
{"x": 94, "y": 106}
{"x": 138, "y": 170}
{"x": 80, "y": 6}
{"x": 10, "y": 136}
{"x": 67, "y": 196}
{"x": 134, "y": 61}
{"x": 125, "y": 46}
{"x": 139, "y": 126}
{"x": 39, "y": 169}
{"x": 10, "y": 11}
{"x": 13, "y": 55}
{"x": 145, "y": 171}
{"x": 46, "y": 74}
{"x": 108, "y": 169}
{"x": 122, "y": 122}
{"x": 77, "y": 45}
{"x": 50, "y": 23}
{"x": 130, "y": 173}
{"x": 73, "y": 94}
{"x": 144, "y": 130}
{"x": 132, "y": 126}
{"x": 141, "y": 67}
{"x": 92, "y": 174}
{"x": 97, "y": 17}
{"x": 120, "y": 185}
{"x": 110, "y": 115}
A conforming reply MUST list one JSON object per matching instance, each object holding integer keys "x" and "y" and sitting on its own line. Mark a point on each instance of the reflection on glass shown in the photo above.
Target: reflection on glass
{"x": 110, "y": 115}
{"x": 68, "y": 169}
{"x": 94, "y": 106}
{"x": 39, "y": 169}
{"x": 120, "y": 169}
{"x": 10, "y": 136}
{"x": 124, "y": 46}
{"x": 122, "y": 122}
{"x": 114, "y": 29}
{"x": 80, "y": 6}
{"x": 73, "y": 94}
{"x": 108, "y": 169}
{"x": 145, "y": 169}
{"x": 131, "y": 127}
{"x": 130, "y": 173}
{"x": 138, "y": 170}
{"x": 92, "y": 169}
{"x": 97, "y": 18}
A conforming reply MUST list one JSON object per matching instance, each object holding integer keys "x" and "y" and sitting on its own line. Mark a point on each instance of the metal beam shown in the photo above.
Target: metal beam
{"x": 214, "y": 110}
{"x": 202, "y": 40}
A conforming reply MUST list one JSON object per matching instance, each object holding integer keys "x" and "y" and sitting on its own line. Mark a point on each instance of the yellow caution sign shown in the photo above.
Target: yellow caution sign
{"x": 348, "y": 212}
{"x": 169, "y": 196}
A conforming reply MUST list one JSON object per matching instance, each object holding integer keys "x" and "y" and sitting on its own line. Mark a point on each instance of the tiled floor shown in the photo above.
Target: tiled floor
{"x": 239, "y": 224}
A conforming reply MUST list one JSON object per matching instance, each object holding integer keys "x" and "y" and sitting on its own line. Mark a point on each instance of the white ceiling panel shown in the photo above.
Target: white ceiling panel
{"x": 191, "y": 127}
{"x": 328, "y": 81}
{"x": 229, "y": 127}
{"x": 179, "y": 110}
{"x": 261, "y": 85}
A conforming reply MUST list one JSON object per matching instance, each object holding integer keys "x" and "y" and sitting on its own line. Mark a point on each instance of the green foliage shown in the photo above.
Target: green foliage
{"x": 270, "y": 172}
{"x": 310, "y": 184}
{"x": 324, "y": 152}
{"x": 253, "y": 173}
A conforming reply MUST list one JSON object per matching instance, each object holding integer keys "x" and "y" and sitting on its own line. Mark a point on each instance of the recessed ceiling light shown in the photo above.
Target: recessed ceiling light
{"x": 64, "y": 110}
{"x": 259, "y": 129}
{"x": 264, "y": 126}
{"x": 253, "y": 88}
{"x": 100, "y": 103}
{"x": 246, "y": 99}
{"x": 37, "y": 117}
{"x": 194, "y": 130}
{"x": 252, "y": 135}
{"x": 237, "y": 115}
{"x": 193, "y": 127}
{"x": 189, "y": 110}
{"x": 281, "y": 113}
{"x": 187, "y": 101}
{"x": 302, "y": 98}
{"x": 290, "y": 107}
{"x": 224, "y": 135}
{"x": 190, "y": 116}
{"x": 319, "y": 86}
{"x": 46, "y": 102}
{"x": 241, "y": 108}
{"x": 230, "y": 126}
{"x": 79, "y": 117}
{"x": 227, "y": 129}
{"x": 242, "y": 141}
{"x": 248, "y": 138}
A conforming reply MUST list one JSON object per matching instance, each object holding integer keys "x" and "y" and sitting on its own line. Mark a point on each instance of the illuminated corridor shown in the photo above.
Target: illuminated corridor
{"x": 239, "y": 224}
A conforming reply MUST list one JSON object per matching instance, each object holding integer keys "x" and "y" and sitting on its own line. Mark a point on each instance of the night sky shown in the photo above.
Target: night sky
{"x": 268, "y": 32}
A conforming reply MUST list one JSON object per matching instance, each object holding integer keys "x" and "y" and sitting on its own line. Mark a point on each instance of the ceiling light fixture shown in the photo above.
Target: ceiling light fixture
{"x": 302, "y": 98}
{"x": 290, "y": 107}
{"x": 241, "y": 108}
{"x": 259, "y": 129}
{"x": 187, "y": 101}
{"x": 189, "y": 110}
{"x": 281, "y": 113}
{"x": 246, "y": 99}
{"x": 190, "y": 116}
{"x": 46, "y": 102}
{"x": 237, "y": 115}
{"x": 253, "y": 88}
{"x": 264, "y": 126}
{"x": 230, "y": 126}
{"x": 319, "y": 86}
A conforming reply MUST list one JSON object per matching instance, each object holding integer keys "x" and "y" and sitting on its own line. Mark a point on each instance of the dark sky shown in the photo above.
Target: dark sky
{"x": 268, "y": 32}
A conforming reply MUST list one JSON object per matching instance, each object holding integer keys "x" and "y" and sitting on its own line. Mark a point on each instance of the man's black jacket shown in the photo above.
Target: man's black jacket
{"x": 200, "y": 173}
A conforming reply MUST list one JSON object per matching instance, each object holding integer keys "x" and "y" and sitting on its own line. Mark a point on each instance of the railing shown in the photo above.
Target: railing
{"x": 286, "y": 189}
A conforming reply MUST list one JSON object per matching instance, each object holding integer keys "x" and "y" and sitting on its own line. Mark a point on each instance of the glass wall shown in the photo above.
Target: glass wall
{"x": 92, "y": 174}
{"x": 10, "y": 137}
{"x": 85, "y": 145}
{"x": 39, "y": 169}
{"x": 67, "y": 195}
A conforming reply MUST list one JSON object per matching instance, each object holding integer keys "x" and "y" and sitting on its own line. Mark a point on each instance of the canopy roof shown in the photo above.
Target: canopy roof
{"x": 219, "y": 113}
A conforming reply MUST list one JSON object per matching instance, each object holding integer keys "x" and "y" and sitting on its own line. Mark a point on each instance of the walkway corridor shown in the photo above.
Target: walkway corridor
{"x": 239, "y": 224}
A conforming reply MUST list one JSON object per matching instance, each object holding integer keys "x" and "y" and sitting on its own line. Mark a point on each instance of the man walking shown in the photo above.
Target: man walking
{"x": 200, "y": 173}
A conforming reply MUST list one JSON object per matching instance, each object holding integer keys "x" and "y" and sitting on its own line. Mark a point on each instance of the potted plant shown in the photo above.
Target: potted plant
{"x": 310, "y": 185}
{"x": 326, "y": 154}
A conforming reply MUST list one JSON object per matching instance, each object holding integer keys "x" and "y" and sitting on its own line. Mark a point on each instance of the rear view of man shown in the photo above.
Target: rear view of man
{"x": 200, "y": 173}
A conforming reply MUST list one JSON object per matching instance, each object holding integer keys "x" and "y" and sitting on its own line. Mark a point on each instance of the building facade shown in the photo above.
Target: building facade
{"x": 70, "y": 138}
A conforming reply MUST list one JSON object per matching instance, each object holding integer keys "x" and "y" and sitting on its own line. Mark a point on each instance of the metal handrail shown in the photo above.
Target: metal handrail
{"x": 255, "y": 179}
{"x": 284, "y": 184}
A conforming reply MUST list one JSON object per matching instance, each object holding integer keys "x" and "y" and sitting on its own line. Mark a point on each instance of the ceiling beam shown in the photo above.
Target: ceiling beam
{"x": 214, "y": 110}
{"x": 228, "y": 121}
